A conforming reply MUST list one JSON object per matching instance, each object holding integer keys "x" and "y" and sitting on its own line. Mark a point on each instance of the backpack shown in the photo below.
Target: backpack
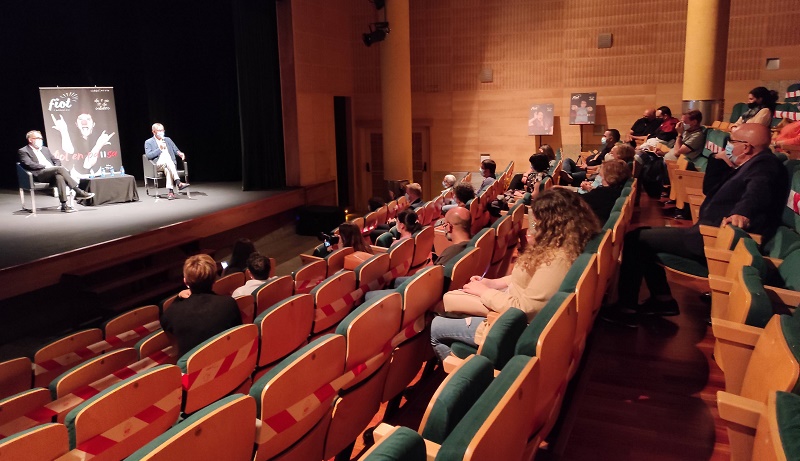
{"x": 653, "y": 174}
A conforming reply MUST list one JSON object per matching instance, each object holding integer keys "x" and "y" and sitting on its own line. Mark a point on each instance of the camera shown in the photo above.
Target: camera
{"x": 328, "y": 239}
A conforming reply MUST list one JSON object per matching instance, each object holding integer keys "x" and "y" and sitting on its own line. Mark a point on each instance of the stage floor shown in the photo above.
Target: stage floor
{"x": 26, "y": 238}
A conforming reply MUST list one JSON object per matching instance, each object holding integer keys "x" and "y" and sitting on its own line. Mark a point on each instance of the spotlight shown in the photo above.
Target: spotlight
{"x": 377, "y": 33}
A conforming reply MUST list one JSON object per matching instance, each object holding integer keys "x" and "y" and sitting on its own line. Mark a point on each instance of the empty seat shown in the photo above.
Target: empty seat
{"x": 272, "y": 292}
{"x": 15, "y": 376}
{"x": 284, "y": 327}
{"x": 45, "y": 442}
{"x": 60, "y": 355}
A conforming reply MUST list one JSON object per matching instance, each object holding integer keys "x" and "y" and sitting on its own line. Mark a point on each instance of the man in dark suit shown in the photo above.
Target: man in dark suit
{"x": 746, "y": 186}
{"x": 37, "y": 159}
{"x": 161, "y": 149}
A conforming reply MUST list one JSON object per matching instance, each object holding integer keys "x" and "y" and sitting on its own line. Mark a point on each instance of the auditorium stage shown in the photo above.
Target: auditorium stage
{"x": 37, "y": 250}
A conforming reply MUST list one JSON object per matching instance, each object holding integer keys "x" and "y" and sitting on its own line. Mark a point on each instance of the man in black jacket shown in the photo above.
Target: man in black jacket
{"x": 749, "y": 192}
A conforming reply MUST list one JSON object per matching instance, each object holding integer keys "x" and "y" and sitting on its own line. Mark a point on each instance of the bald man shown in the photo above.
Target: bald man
{"x": 746, "y": 186}
{"x": 643, "y": 127}
{"x": 456, "y": 227}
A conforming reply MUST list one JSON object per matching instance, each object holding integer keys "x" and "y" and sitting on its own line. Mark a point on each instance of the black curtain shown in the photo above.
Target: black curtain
{"x": 172, "y": 62}
{"x": 256, "y": 31}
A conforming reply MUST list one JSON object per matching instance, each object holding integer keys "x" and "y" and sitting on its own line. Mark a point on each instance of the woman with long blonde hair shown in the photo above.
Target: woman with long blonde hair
{"x": 560, "y": 225}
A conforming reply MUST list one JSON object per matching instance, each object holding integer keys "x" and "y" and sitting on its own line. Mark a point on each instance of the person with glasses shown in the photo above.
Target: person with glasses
{"x": 746, "y": 186}
{"x": 36, "y": 158}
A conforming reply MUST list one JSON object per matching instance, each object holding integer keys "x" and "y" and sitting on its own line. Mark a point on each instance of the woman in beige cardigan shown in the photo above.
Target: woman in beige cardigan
{"x": 560, "y": 225}
{"x": 760, "y": 108}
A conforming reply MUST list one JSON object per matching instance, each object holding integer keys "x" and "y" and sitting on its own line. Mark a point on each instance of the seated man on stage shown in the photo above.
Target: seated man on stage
{"x": 161, "y": 149}
{"x": 37, "y": 159}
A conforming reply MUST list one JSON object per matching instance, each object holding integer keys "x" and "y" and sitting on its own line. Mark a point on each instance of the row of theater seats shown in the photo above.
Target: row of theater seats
{"x": 226, "y": 362}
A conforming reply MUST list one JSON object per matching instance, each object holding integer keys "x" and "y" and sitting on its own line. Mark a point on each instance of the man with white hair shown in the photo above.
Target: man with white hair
{"x": 161, "y": 149}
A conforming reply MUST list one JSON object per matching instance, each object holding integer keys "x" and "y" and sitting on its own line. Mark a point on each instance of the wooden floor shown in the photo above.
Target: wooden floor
{"x": 642, "y": 394}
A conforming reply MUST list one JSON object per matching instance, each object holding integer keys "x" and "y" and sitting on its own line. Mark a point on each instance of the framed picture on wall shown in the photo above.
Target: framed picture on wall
{"x": 540, "y": 120}
{"x": 582, "y": 108}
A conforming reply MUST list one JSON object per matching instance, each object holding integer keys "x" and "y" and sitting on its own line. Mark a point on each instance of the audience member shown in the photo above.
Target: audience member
{"x": 257, "y": 274}
{"x": 788, "y": 136}
{"x": 375, "y": 204}
{"x": 750, "y": 193}
{"x": 414, "y": 195}
{"x": 540, "y": 165}
{"x": 614, "y": 173}
{"x": 691, "y": 140}
{"x": 456, "y": 226}
{"x": 760, "y": 108}
{"x": 665, "y": 134}
{"x": 561, "y": 224}
{"x": 643, "y": 127}
{"x": 407, "y": 224}
{"x": 573, "y": 174}
{"x": 448, "y": 182}
{"x": 488, "y": 167}
{"x": 463, "y": 194}
{"x": 547, "y": 150}
{"x": 242, "y": 250}
{"x": 197, "y": 313}
{"x": 350, "y": 236}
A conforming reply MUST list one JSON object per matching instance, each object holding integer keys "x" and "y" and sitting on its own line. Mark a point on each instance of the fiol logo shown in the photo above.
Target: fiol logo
{"x": 63, "y": 102}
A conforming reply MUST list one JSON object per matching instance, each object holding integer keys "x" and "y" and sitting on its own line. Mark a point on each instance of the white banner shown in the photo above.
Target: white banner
{"x": 81, "y": 128}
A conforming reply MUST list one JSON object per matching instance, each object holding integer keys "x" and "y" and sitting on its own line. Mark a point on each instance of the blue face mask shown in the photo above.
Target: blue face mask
{"x": 729, "y": 153}
{"x": 160, "y": 134}
{"x": 603, "y": 141}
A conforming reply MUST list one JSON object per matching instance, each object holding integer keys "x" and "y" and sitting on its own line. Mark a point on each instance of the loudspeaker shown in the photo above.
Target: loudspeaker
{"x": 604, "y": 40}
{"x": 313, "y": 219}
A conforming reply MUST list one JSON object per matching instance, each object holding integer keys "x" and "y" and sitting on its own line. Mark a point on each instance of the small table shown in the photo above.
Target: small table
{"x": 110, "y": 189}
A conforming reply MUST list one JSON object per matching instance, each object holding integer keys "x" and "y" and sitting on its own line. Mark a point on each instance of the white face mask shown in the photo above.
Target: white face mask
{"x": 444, "y": 184}
{"x": 160, "y": 134}
{"x": 603, "y": 140}
{"x": 37, "y": 143}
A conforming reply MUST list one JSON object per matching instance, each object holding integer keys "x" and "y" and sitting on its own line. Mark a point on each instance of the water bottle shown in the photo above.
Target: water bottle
{"x": 102, "y": 172}
{"x": 122, "y": 171}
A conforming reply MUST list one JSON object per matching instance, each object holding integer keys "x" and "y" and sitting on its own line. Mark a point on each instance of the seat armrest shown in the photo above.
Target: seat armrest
{"x": 717, "y": 260}
{"x": 734, "y": 332}
{"x": 377, "y": 249}
{"x": 307, "y": 259}
{"x": 24, "y": 177}
{"x": 381, "y": 430}
{"x": 739, "y": 410}
{"x": 720, "y": 284}
{"x": 450, "y": 363}
{"x": 789, "y": 298}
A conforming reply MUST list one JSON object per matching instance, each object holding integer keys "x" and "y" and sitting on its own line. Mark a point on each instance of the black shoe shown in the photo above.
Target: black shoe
{"x": 662, "y": 308}
{"x": 617, "y": 316}
{"x": 183, "y": 185}
{"x": 81, "y": 194}
{"x": 669, "y": 202}
{"x": 66, "y": 208}
{"x": 682, "y": 215}
{"x": 706, "y": 298}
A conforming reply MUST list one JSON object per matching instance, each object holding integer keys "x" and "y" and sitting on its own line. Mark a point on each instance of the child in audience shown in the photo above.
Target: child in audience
{"x": 561, "y": 224}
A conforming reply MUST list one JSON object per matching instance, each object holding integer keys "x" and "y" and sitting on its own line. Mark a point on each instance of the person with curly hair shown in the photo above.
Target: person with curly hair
{"x": 560, "y": 226}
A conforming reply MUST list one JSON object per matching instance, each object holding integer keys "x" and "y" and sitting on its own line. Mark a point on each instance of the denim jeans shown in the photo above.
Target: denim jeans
{"x": 445, "y": 330}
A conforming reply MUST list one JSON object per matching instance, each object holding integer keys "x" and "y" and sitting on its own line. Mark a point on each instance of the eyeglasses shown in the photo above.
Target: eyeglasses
{"x": 737, "y": 141}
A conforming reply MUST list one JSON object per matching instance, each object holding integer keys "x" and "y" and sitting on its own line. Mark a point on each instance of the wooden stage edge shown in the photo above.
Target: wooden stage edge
{"x": 25, "y": 278}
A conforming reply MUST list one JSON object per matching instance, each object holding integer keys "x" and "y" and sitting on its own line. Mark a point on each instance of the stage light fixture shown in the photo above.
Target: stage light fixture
{"x": 377, "y": 33}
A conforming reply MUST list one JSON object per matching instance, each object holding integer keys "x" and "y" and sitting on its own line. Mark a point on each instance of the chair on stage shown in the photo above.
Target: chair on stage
{"x": 151, "y": 174}
{"x": 27, "y": 184}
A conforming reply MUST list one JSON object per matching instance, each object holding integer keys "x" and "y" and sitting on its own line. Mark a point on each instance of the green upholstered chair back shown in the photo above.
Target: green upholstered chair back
{"x": 501, "y": 340}
{"x": 790, "y": 325}
{"x": 402, "y": 444}
{"x": 785, "y": 241}
{"x": 529, "y": 339}
{"x": 594, "y": 244}
{"x": 497, "y": 423}
{"x": 738, "y": 109}
{"x": 626, "y": 191}
{"x": 570, "y": 282}
{"x": 619, "y": 203}
{"x": 611, "y": 221}
{"x": 787, "y": 414}
{"x": 789, "y": 271}
{"x": 395, "y": 232}
{"x": 455, "y": 396}
{"x": 760, "y": 306}
{"x": 385, "y": 240}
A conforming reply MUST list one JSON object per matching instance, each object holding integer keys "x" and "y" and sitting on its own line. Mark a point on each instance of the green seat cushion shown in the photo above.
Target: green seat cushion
{"x": 789, "y": 272}
{"x": 619, "y": 203}
{"x": 758, "y": 261}
{"x": 403, "y": 444}
{"x": 477, "y": 237}
{"x": 681, "y": 264}
{"x": 501, "y": 340}
{"x": 785, "y": 241}
{"x": 456, "y": 443}
{"x": 526, "y": 199}
{"x": 761, "y": 307}
{"x": 626, "y": 191}
{"x": 787, "y": 411}
{"x": 464, "y": 387}
{"x": 526, "y": 344}
{"x": 462, "y": 350}
{"x": 395, "y": 232}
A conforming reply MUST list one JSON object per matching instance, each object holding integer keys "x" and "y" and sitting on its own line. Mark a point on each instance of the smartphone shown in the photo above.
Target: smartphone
{"x": 224, "y": 264}
{"x": 327, "y": 244}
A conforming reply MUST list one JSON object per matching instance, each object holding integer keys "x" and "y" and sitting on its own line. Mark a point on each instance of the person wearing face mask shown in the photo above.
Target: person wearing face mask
{"x": 746, "y": 186}
{"x": 161, "y": 149}
{"x": 36, "y": 158}
{"x": 690, "y": 141}
{"x": 760, "y": 108}
{"x": 488, "y": 168}
{"x": 573, "y": 174}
